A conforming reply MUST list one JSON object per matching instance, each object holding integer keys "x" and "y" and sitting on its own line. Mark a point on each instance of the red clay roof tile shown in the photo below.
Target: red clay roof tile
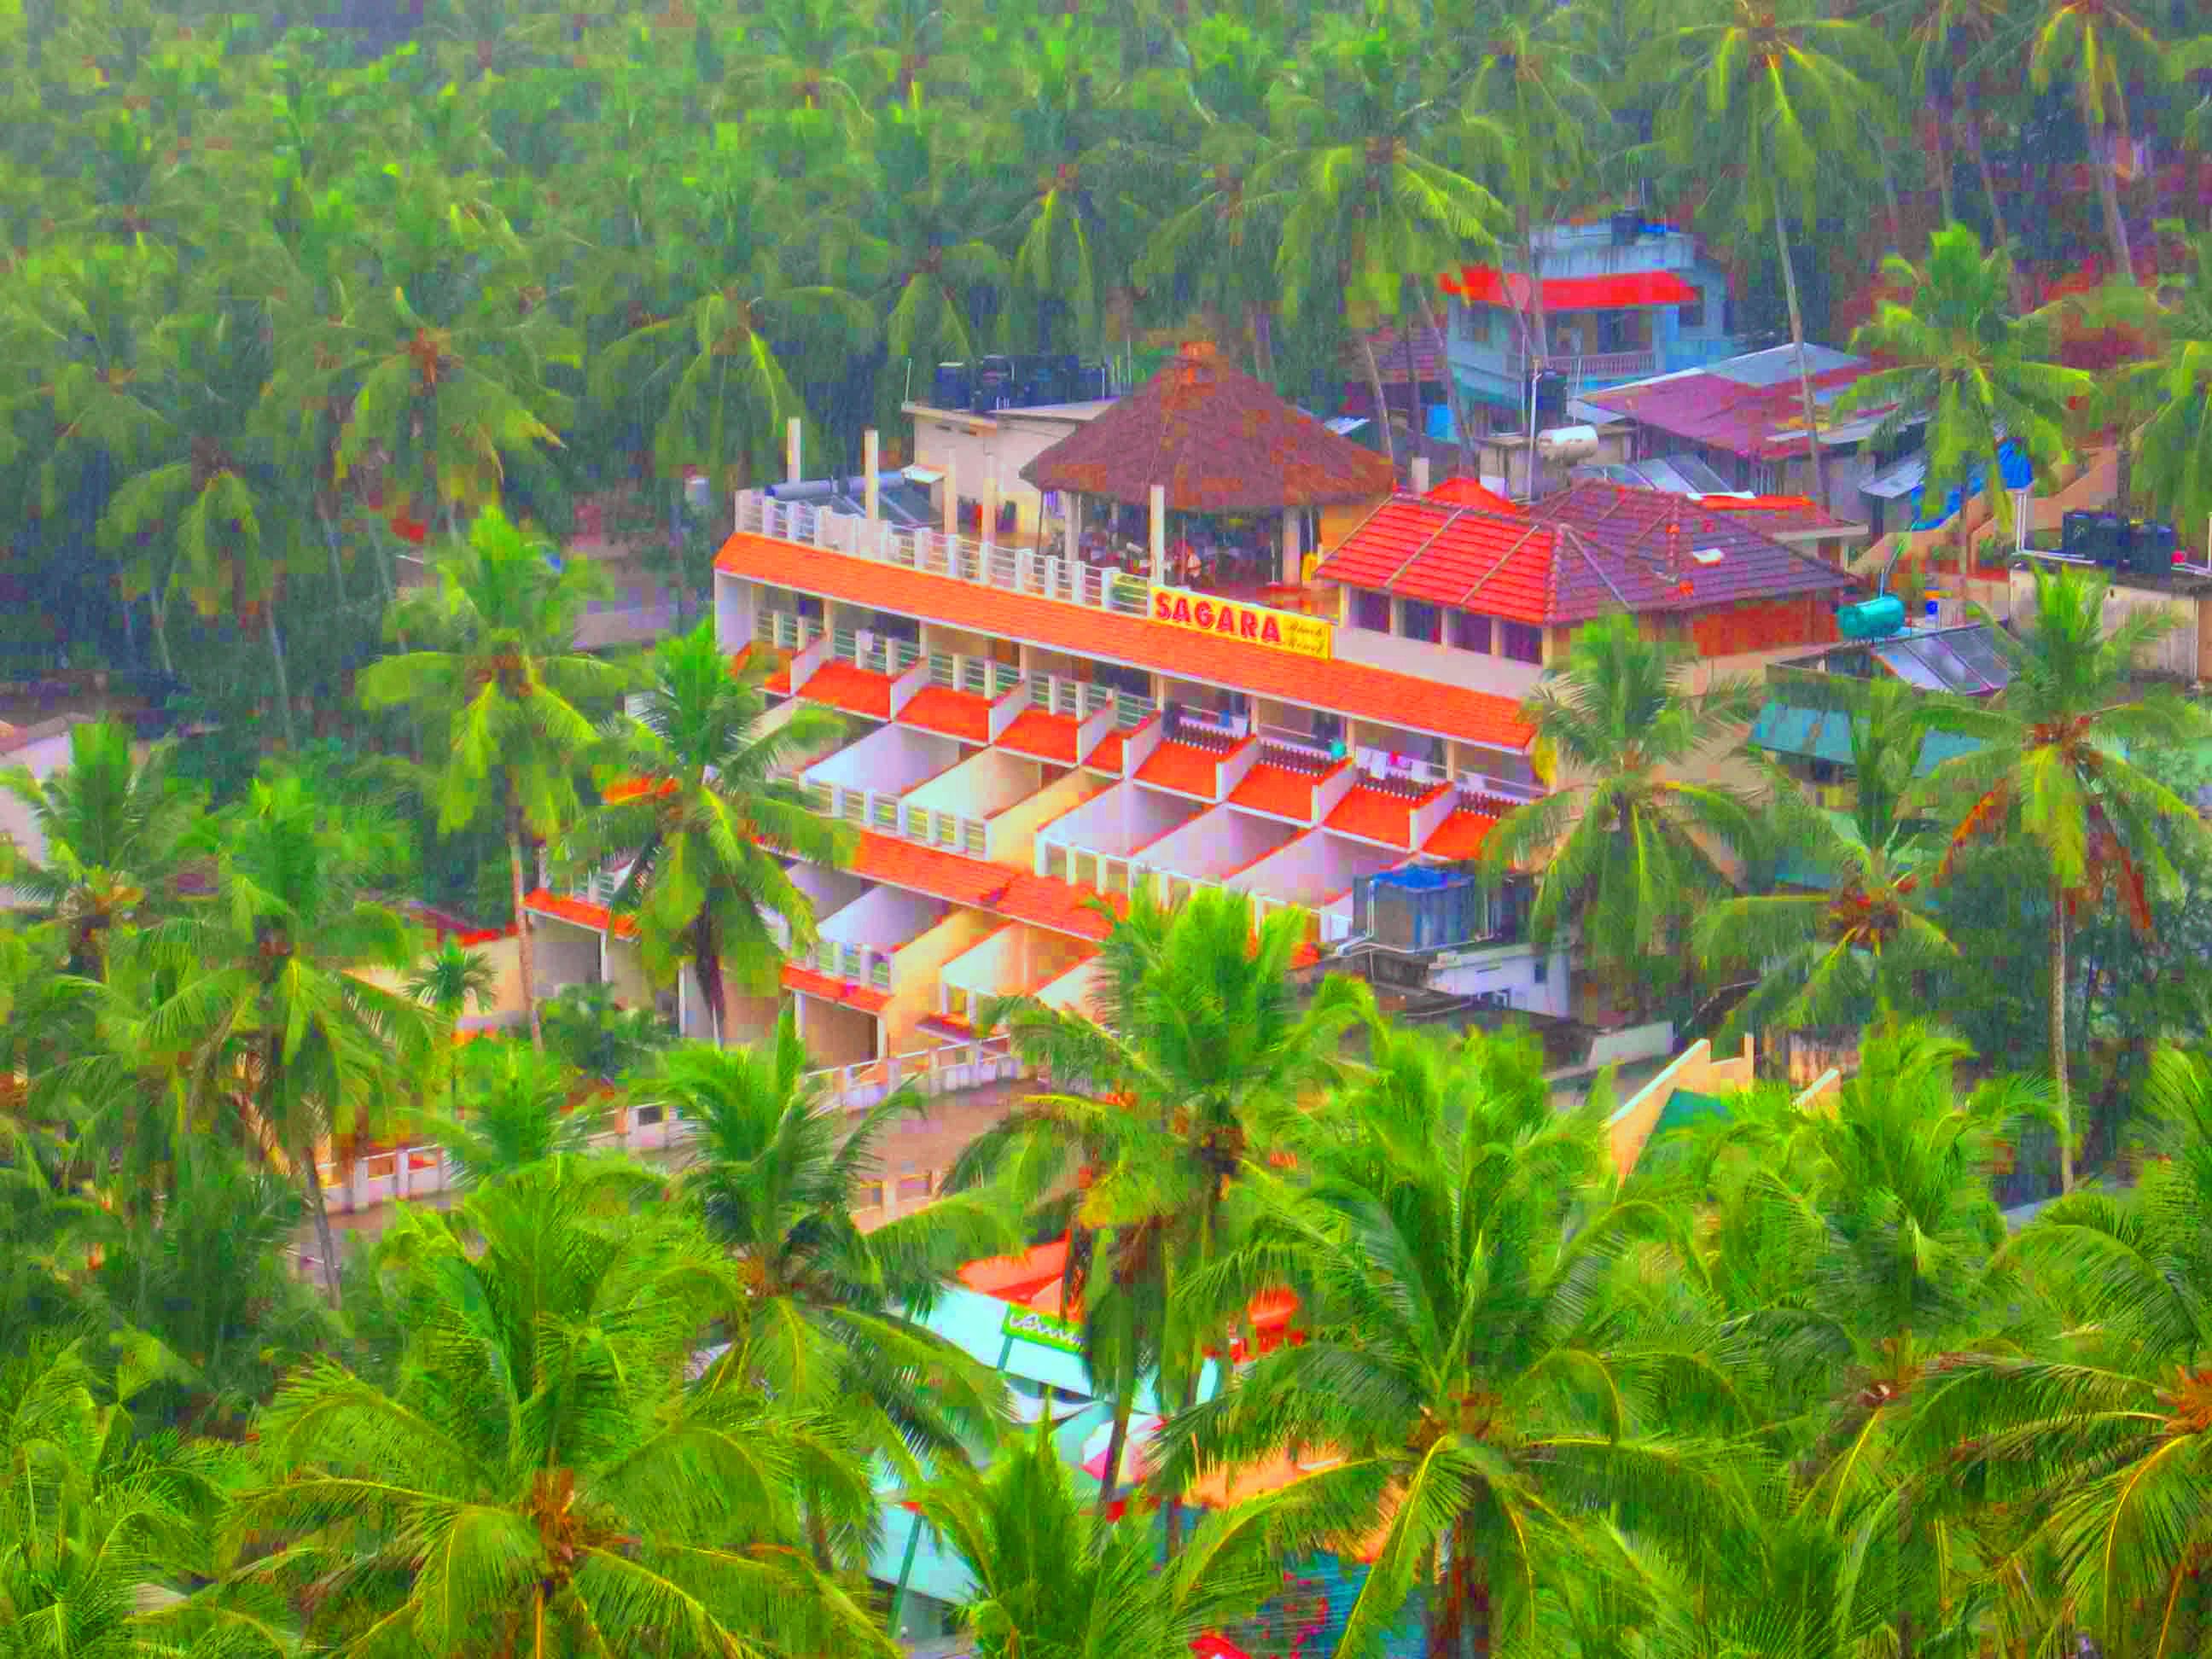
{"x": 1184, "y": 768}
{"x": 1276, "y": 790}
{"x": 1377, "y": 815}
{"x": 1461, "y": 491}
{"x": 855, "y": 690}
{"x": 1335, "y": 686}
{"x": 1459, "y": 837}
{"x": 581, "y": 912}
{"x": 952, "y": 714}
{"x": 1107, "y": 757}
{"x": 865, "y": 998}
{"x": 778, "y": 684}
{"x": 1048, "y": 737}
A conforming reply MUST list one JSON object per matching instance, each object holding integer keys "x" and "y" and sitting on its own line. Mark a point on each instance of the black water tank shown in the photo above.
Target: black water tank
{"x": 2110, "y": 545}
{"x": 2077, "y": 533}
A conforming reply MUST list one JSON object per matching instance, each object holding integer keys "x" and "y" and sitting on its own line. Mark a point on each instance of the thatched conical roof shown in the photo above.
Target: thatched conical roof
{"x": 1218, "y": 440}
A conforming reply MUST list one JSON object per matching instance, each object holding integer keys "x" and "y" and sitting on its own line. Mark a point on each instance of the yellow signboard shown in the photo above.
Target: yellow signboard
{"x": 1233, "y": 619}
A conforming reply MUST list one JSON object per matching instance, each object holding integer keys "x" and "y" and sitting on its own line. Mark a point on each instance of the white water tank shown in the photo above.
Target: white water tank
{"x": 1564, "y": 445}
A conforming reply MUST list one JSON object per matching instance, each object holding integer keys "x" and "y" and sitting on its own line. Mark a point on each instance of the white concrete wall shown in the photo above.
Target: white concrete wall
{"x": 1123, "y": 819}
{"x": 1216, "y": 842}
{"x": 1511, "y": 968}
{"x": 986, "y": 782}
{"x": 830, "y": 891}
{"x": 890, "y": 760}
{"x": 991, "y": 968}
{"x": 735, "y": 599}
{"x": 970, "y": 443}
{"x": 1473, "y": 671}
{"x": 883, "y": 920}
{"x": 1316, "y": 867}
{"x": 562, "y": 954}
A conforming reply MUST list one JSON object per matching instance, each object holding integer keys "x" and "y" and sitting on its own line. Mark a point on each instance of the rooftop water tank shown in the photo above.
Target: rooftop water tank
{"x": 1871, "y": 619}
{"x": 1563, "y": 446}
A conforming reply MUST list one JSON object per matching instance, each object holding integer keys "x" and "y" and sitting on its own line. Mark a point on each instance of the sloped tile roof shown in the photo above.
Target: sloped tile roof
{"x": 1377, "y": 815}
{"x": 1765, "y": 422}
{"x": 1459, "y": 837}
{"x": 951, "y": 714}
{"x": 1182, "y": 767}
{"x": 580, "y": 912}
{"x": 865, "y": 998}
{"x": 1277, "y": 790}
{"x": 855, "y": 690}
{"x": 1462, "y": 491}
{"x": 1390, "y": 345}
{"x": 1335, "y": 686}
{"x": 1592, "y": 549}
{"x": 1048, "y": 737}
{"x": 1217, "y": 441}
{"x": 1777, "y": 514}
{"x": 1107, "y": 757}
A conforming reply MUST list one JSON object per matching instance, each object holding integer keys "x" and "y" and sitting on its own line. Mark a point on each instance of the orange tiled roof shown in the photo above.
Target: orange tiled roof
{"x": 855, "y": 690}
{"x": 778, "y": 684}
{"x": 865, "y": 998}
{"x": 1107, "y": 757}
{"x": 581, "y": 912}
{"x": 1048, "y": 737}
{"x": 1375, "y": 814}
{"x": 1459, "y": 837}
{"x": 1004, "y": 889}
{"x": 631, "y": 788}
{"x": 1182, "y": 767}
{"x": 952, "y": 714}
{"x": 1335, "y": 686}
{"x": 1277, "y": 790}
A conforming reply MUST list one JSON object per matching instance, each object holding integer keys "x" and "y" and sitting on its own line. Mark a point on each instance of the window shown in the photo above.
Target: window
{"x": 1470, "y": 632}
{"x": 1523, "y": 642}
{"x": 1691, "y": 315}
{"x": 1417, "y": 620}
{"x": 1371, "y": 611}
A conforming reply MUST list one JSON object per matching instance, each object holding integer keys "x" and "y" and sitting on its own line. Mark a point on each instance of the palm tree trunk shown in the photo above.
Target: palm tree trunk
{"x": 1263, "y": 343}
{"x": 1382, "y": 408}
{"x": 1943, "y": 120}
{"x": 1452, "y": 400}
{"x": 1973, "y": 126}
{"x": 1797, "y": 339}
{"x": 157, "y": 605}
{"x": 2058, "y": 1034}
{"x": 2108, "y": 189}
{"x": 325, "y": 1240}
{"x": 1459, "y": 1614}
{"x": 1125, "y": 1400}
{"x": 284, "y": 682}
{"x": 2124, "y": 467}
{"x": 525, "y": 956}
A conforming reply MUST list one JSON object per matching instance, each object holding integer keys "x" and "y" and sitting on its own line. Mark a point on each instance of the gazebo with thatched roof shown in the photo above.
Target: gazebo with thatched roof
{"x": 1201, "y": 437}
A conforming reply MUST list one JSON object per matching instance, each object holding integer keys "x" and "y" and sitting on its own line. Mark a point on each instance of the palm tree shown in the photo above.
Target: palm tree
{"x": 2095, "y": 1445}
{"x": 1978, "y": 377}
{"x": 1628, "y": 851}
{"x": 1364, "y": 164}
{"x": 305, "y": 1052}
{"x": 1781, "y": 96}
{"x": 774, "y": 1175}
{"x": 540, "y": 1470}
{"x": 1197, "y": 1070}
{"x": 447, "y": 981}
{"x": 2098, "y": 46}
{"x": 2171, "y": 457}
{"x": 116, "y": 832}
{"x": 1050, "y": 1578}
{"x": 520, "y": 1107}
{"x": 1832, "y": 957}
{"x": 695, "y": 803}
{"x": 1462, "y": 1386}
{"x": 2052, "y": 765}
{"x": 503, "y": 681}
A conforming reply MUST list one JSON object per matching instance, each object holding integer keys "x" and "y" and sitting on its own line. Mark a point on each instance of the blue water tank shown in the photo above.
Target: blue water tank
{"x": 1871, "y": 619}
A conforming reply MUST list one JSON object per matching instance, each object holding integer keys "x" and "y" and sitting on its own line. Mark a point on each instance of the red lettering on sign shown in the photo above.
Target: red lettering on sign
{"x": 1248, "y": 625}
{"x": 1225, "y": 622}
{"x": 1271, "y": 635}
{"x": 1202, "y": 613}
{"x": 1164, "y": 606}
{"x": 1182, "y": 611}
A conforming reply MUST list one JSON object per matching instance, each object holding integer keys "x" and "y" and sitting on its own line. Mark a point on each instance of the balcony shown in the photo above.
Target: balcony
{"x": 1590, "y": 370}
{"x": 866, "y": 783}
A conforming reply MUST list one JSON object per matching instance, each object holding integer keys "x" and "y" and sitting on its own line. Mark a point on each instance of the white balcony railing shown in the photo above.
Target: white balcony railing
{"x": 979, "y": 676}
{"x": 879, "y": 810}
{"x": 1008, "y": 569}
{"x": 857, "y": 964}
{"x": 1588, "y": 369}
{"x": 873, "y": 651}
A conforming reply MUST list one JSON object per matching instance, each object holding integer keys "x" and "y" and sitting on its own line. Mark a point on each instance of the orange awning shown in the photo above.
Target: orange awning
{"x": 1483, "y": 285}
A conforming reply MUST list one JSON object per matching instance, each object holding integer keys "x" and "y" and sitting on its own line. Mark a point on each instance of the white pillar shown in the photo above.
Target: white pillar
{"x": 871, "y": 494}
{"x": 1420, "y": 475}
{"x": 1159, "y": 533}
{"x": 991, "y": 498}
{"x": 792, "y": 474}
{"x": 1290, "y": 545}
{"x": 952, "y": 497}
{"x": 1071, "y": 528}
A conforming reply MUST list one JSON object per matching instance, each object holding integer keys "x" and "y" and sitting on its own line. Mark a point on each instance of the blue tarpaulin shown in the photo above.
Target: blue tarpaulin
{"x": 2017, "y": 471}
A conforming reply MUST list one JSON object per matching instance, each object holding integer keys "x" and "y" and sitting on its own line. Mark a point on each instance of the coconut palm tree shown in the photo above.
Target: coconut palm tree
{"x": 2171, "y": 456}
{"x": 1463, "y": 1388}
{"x": 696, "y": 804}
{"x": 1051, "y": 1577}
{"x": 541, "y": 1469}
{"x": 498, "y": 675}
{"x": 515, "y": 1107}
{"x": 1365, "y": 160}
{"x": 302, "y": 1053}
{"x": 447, "y": 982}
{"x": 1627, "y": 851}
{"x": 1959, "y": 362}
{"x": 775, "y": 1177}
{"x": 2095, "y": 1444}
{"x": 1833, "y": 957}
{"x": 1781, "y": 96}
{"x": 1195, "y": 1065}
{"x": 117, "y": 831}
{"x": 2052, "y": 766}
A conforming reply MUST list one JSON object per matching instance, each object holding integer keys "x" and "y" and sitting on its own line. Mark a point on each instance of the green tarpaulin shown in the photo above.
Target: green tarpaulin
{"x": 1685, "y": 1107}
